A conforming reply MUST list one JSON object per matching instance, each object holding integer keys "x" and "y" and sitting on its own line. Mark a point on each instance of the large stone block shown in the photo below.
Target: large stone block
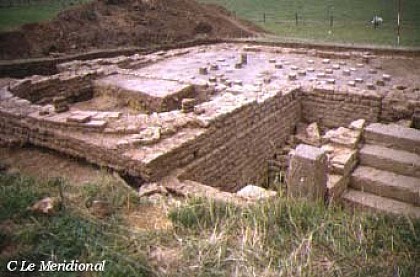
{"x": 416, "y": 119}
{"x": 307, "y": 175}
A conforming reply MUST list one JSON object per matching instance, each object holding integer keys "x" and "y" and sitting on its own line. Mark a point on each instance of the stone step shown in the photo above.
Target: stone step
{"x": 336, "y": 185}
{"x": 355, "y": 199}
{"x": 393, "y": 136}
{"x": 387, "y": 184}
{"x": 383, "y": 158}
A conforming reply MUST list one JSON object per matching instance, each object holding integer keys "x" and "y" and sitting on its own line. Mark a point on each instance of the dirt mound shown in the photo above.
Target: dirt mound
{"x": 122, "y": 23}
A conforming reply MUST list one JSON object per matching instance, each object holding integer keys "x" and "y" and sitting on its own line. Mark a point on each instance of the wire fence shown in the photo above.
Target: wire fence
{"x": 346, "y": 21}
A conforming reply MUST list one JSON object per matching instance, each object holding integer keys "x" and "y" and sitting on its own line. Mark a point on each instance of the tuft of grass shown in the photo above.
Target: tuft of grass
{"x": 286, "y": 237}
{"x": 202, "y": 214}
{"x": 106, "y": 189}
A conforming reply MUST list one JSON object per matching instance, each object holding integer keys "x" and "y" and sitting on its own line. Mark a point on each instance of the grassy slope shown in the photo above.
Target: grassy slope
{"x": 13, "y": 17}
{"x": 350, "y": 19}
{"x": 279, "y": 237}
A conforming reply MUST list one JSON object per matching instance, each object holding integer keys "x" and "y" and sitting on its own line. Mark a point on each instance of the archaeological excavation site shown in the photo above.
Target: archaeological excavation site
{"x": 333, "y": 125}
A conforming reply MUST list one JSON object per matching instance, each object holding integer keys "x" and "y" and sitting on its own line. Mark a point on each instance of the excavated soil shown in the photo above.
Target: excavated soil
{"x": 142, "y": 23}
{"x": 45, "y": 165}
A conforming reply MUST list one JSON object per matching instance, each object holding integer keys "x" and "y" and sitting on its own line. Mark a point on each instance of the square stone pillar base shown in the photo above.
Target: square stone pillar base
{"x": 307, "y": 174}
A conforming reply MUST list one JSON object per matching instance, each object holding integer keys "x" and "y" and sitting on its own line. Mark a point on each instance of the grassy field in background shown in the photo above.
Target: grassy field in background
{"x": 277, "y": 237}
{"x": 18, "y": 14}
{"x": 350, "y": 19}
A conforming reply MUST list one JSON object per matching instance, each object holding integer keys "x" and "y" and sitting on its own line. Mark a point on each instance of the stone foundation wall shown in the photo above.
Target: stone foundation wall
{"x": 397, "y": 105}
{"x": 332, "y": 107}
{"x": 142, "y": 101}
{"x": 235, "y": 152}
{"x": 228, "y": 151}
{"x": 48, "y": 65}
{"x": 27, "y": 130}
{"x": 42, "y": 90}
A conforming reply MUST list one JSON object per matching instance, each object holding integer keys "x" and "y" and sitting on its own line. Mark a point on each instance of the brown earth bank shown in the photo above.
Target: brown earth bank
{"x": 109, "y": 24}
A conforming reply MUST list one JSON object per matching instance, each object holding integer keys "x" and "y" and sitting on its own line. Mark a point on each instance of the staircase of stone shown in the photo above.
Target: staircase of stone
{"x": 387, "y": 178}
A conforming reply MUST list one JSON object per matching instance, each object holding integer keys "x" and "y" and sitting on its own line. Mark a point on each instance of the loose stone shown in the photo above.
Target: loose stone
{"x": 351, "y": 83}
{"x": 380, "y": 83}
{"x": 346, "y": 72}
{"x": 203, "y": 70}
{"x": 370, "y": 86}
{"x": 238, "y": 82}
{"x": 302, "y": 72}
{"x": 214, "y": 67}
{"x": 386, "y": 77}
{"x": 292, "y": 76}
{"x": 328, "y": 71}
{"x": 244, "y": 58}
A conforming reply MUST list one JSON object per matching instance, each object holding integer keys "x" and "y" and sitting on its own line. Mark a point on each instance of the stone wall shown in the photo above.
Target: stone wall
{"x": 399, "y": 104}
{"x": 332, "y": 106}
{"x": 227, "y": 149}
{"x": 89, "y": 147}
{"x": 141, "y": 101}
{"x": 21, "y": 123}
{"x": 228, "y": 152}
{"x": 238, "y": 146}
{"x": 48, "y": 65}
{"x": 42, "y": 90}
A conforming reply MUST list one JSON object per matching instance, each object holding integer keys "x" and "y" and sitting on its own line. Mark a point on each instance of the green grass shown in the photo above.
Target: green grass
{"x": 293, "y": 238}
{"x": 17, "y": 15}
{"x": 279, "y": 237}
{"x": 350, "y": 19}
{"x": 68, "y": 234}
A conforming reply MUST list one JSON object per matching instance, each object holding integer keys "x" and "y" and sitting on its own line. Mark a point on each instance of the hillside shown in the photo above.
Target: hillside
{"x": 124, "y": 23}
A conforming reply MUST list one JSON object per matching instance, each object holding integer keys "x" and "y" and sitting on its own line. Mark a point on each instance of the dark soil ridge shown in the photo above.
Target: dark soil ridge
{"x": 129, "y": 23}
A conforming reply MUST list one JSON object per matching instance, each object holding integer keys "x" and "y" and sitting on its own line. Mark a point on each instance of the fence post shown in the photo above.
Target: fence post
{"x": 398, "y": 22}
{"x": 296, "y": 17}
{"x": 264, "y": 17}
